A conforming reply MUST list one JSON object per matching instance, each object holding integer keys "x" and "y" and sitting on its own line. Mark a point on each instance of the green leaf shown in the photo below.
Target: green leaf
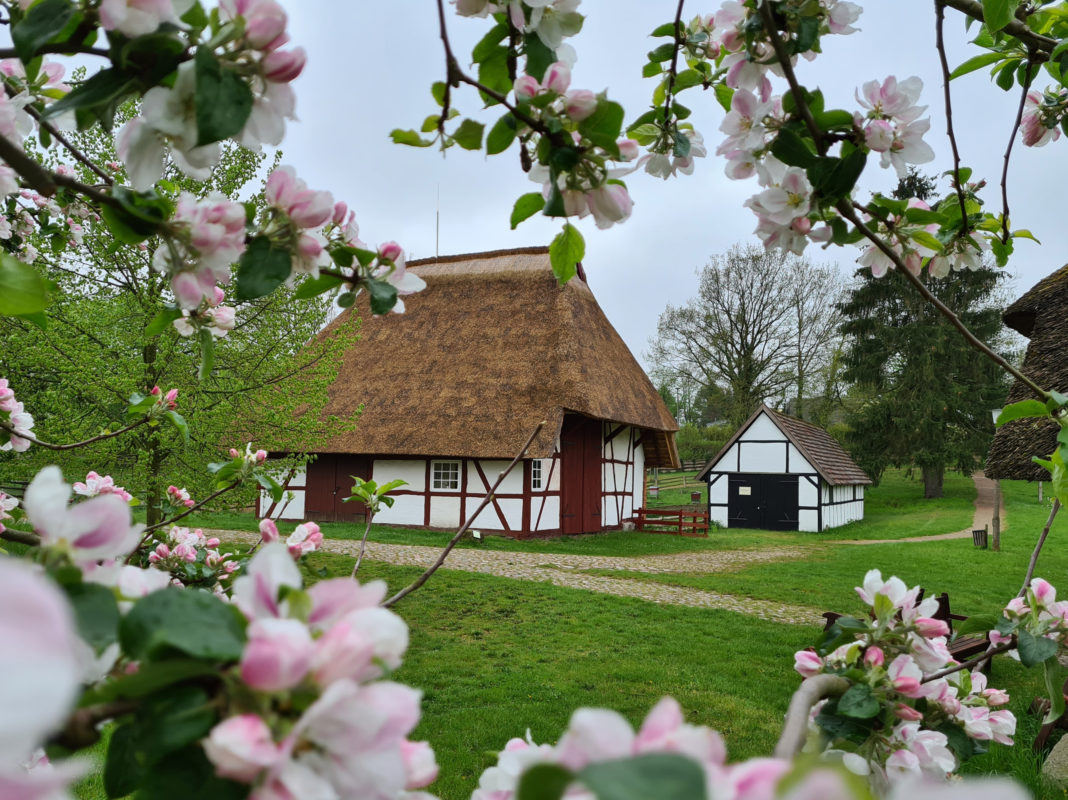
{"x": 539, "y": 56}
{"x": 410, "y": 138}
{"x": 667, "y": 29}
{"x": 681, "y": 148}
{"x": 263, "y": 268}
{"x": 493, "y": 74}
{"x": 138, "y": 216}
{"x": 313, "y": 287}
{"x": 223, "y": 99}
{"x": 998, "y": 13}
{"x": 469, "y": 135}
{"x": 974, "y": 63}
{"x": 106, "y": 88}
{"x": 527, "y": 206}
{"x": 501, "y": 135}
{"x": 1023, "y": 233}
{"x": 346, "y": 299}
{"x": 151, "y": 677}
{"x": 1054, "y": 690}
{"x": 122, "y": 770}
{"x": 95, "y": 612}
{"x": 437, "y": 89}
{"x": 22, "y": 289}
{"x": 926, "y": 239}
{"x": 1006, "y": 75}
{"x": 651, "y": 70}
{"x": 791, "y": 149}
{"x": 923, "y": 216}
{"x": 383, "y": 296}
{"x": 543, "y": 782}
{"x": 837, "y": 726}
{"x": 190, "y": 622}
{"x": 178, "y": 421}
{"x": 836, "y": 119}
{"x": 959, "y": 742}
{"x": 162, "y": 321}
{"x": 976, "y": 623}
{"x": 172, "y": 720}
{"x": 270, "y": 484}
{"x": 566, "y": 250}
{"x": 1034, "y": 649}
{"x": 188, "y": 774}
{"x": 663, "y": 52}
{"x": 808, "y": 30}
{"x": 124, "y": 226}
{"x": 38, "y": 318}
{"x": 485, "y": 47}
{"x": 858, "y": 702}
{"x": 604, "y": 125}
{"x": 207, "y": 354}
{"x": 1057, "y": 400}
{"x": 1022, "y": 410}
{"x": 688, "y": 78}
{"x": 724, "y": 94}
{"x": 43, "y": 21}
{"x": 663, "y": 776}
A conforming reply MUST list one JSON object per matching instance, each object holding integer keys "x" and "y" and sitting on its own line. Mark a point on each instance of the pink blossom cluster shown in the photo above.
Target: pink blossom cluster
{"x": 1042, "y": 116}
{"x": 898, "y": 652}
{"x": 898, "y": 235}
{"x": 390, "y": 263}
{"x": 305, "y": 538}
{"x": 7, "y": 504}
{"x": 179, "y": 497}
{"x": 207, "y": 237}
{"x": 212, "y": 315}
{"x": 891, "y": 123}
{"x": 306, "y": 210}
{"x": 250, "y": 456}
{"x": 95, "y": 530}
{"x": 662, "y": 165}
{"x": 165, "y": 401}
{"x": 14, "y": 414}
{"x": 46, "y": 84}
{"x": 784, "y": 206}
{"x": 96, "y": 484}
{"x": 551, "y": 20}
{"x": 185, "y": 546}
{"x": 351, "y": 741}
{"x": 137, "y": 17}
{"x": 1038, "y": 611}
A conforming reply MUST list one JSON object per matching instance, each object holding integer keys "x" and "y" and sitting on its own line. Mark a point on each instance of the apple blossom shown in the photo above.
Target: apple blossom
{"x": 14, "y": 414}
{"x": 241, "y": 748}
{"x": 94, "y": 485}
{"x": 278, "y": 654}
{"x": 305, "y": 539}
{"x": 807, "y": 663}
{"x": 256, "y": 592}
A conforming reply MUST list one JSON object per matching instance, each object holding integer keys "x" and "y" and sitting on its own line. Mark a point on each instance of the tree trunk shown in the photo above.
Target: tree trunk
{"x": 932, "y": 481}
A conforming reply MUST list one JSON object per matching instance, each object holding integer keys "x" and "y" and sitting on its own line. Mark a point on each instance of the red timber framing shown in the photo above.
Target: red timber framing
{"x": 618, "y": 490}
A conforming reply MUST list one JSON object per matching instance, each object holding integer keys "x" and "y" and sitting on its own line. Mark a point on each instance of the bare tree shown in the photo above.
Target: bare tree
{"x": 761, "y": 325}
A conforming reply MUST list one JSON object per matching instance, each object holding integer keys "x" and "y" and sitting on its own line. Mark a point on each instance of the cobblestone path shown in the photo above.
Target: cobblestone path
{"x": 563, "y": 570}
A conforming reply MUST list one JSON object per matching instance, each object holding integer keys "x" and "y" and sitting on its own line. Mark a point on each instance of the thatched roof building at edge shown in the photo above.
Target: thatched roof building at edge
{"x": 1042, "y": 316}
{"x": 491, "y": 347}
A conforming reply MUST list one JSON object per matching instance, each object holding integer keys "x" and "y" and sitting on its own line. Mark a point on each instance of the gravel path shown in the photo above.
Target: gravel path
{"x": 562, "y": 570}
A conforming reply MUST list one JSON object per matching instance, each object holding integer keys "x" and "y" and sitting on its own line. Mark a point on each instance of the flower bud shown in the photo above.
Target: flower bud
{"x": 282, "y": 66}
{"x": 277, "y": 656}
{"x": 873, "y": 657}
{"x": 930, "y": 628}
{"x": 526, "y": 86}
{"x": 628, "y": 149}
{"x": 420, "y": 767}
{"x": 557, "y": 77}
{"x": 807, "y": 663}
{"x": 579, "y": 104}
{"x": 907, "y": 713}
{"x": 241, "y": 748}
{"x": 341, "y": 210}
{"x": 268, "y": 531}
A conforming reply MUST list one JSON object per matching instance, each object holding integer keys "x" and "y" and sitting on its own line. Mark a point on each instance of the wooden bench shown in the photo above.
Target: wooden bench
{"x": 961, "y": 648}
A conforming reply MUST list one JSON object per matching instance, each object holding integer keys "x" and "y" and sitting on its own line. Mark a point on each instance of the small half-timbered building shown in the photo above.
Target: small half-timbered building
{"x": 784, "y": 474}
{"x": 451, "y": 389}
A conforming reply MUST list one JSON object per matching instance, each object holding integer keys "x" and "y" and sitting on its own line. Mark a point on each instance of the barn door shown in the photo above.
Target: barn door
{"x": 580, "y": 478}
{"x": 764, "y": 502}
{"x": 743, "y": 501}
{"x": 780, "y": 502}
{"x": 329, "y": 482}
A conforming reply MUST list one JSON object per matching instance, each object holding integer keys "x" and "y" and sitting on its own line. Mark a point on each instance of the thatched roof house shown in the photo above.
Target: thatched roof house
{"x": 1042, "y": 316}
{"x": 491, "y": 347}
{"x": 781, "y": 473}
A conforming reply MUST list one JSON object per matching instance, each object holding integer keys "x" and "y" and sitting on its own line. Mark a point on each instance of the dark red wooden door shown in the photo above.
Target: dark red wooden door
{"x": 580, "y": 478}
{"x": 329, "y": 483}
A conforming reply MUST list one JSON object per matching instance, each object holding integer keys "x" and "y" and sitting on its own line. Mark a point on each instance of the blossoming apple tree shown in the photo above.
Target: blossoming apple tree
{"x": 221, "y": 674}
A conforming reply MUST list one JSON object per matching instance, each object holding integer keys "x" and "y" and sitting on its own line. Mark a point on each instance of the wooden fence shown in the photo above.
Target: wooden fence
{"x": 681, "y": 522}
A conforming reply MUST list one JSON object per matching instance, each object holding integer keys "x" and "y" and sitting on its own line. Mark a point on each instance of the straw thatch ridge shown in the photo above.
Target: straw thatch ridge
{"x": 491, "y": 347}
{"x": 1041, "y": 315}
{"x": 819, "y": 448}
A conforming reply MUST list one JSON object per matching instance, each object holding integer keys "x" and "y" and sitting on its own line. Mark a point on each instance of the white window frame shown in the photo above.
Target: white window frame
{"x": 441, "y": 480}
{"x": 537, "y": 475}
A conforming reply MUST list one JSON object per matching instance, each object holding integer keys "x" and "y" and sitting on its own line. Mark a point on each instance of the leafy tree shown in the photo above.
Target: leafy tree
{"x": 760, "y": 326}
{"x": 102, "y": 345}
{"x": 927, "y": 398}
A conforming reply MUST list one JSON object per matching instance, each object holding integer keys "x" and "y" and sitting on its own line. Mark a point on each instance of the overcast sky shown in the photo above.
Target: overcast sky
{"x": 370, "y": 68}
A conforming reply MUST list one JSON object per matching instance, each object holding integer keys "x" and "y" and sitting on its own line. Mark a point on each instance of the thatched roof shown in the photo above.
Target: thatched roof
{"x": 1042, "y": 316}
{"x": 492, "y": 346}
{"x": 817, "y": 446}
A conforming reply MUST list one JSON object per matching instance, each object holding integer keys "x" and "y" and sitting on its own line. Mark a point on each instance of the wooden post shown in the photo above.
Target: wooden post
{"x": 996, "y": 521}
{"x": 1040, "y": 491}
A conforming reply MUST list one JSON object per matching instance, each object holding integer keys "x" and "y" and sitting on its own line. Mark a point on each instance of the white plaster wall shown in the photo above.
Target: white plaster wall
{"x": 717, "y": 492}
{"x": 807, "y": 494}
{"x": 414, "y": 472}
{"x": 729, "y": 461}
{"x": 487, "y": 519}
{"x": 512, "y": 483}
{"x": 298, "y": 480}
{"x": 638, "y": 476}
{"x": 551, "y": 470}
{"x": 445, "y": 512}
{"x": 609, "y": 511}
{"x": 294, "y": 509}
{"x": 549, "y": 508}
{"x": 763, "y": 428}
{"x": 763, "y": 457}
{"x": 718, "y": 516}
{"x": 798, "y": 462}
{"x": 836, "y": 516}
{"x": 407, "y": 510}
{"x": 808, "y": 521}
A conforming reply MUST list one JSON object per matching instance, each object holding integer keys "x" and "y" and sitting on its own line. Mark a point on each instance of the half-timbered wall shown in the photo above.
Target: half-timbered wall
{"x": 516, "y": 507}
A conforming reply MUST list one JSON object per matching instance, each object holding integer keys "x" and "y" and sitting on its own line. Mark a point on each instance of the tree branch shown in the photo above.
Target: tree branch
{"x": 679, "y": 41}
{"x": 1042, "y": 45}
{"x": 467, "y": 524}
{"x": 1038, "y": 548}
{"x": 1008, "y": 151}
{"x": 149, "y": 530}
{"x": 21, "y": 537}
{"x": 48, "y": 445}
{"x": 940, "y": 16}
{"x": 795, "y": 727}
{"x": 993, "y": 650}
{"x": 791, "y": 78}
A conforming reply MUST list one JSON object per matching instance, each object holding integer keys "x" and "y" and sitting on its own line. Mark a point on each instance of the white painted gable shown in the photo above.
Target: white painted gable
{"x": 763, "y": 429}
